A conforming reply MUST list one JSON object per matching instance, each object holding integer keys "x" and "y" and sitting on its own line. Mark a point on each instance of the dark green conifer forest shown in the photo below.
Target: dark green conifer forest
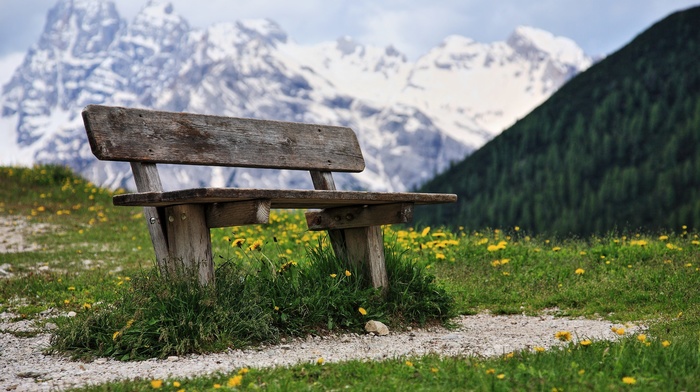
{"x": 617, "y": 147}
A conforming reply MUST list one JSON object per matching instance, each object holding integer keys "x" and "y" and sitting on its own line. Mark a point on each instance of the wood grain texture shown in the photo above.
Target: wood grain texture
{"x": 280, "y": 198}
{"x": 365, "y": 245}
{"x": 323, "y": 180}
{"x": 189, "y": 243}
{"x": 148, "y": 180}
{"x": 359, "y": 216}
{"x": 125, "y": 134}
{"x": 238, "y": 213}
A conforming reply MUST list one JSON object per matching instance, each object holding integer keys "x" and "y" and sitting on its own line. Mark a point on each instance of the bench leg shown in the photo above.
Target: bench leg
{"x": 157, "y": 229}
{"x": 363, "y": 246}
{"x": 189, "y": 243}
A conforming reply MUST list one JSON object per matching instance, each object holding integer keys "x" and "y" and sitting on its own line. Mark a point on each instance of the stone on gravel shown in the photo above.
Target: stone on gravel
{"x": 377, "y": 327}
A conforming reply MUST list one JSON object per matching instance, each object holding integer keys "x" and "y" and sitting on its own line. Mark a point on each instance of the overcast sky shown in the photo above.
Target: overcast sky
{"x": 412, "y": 26}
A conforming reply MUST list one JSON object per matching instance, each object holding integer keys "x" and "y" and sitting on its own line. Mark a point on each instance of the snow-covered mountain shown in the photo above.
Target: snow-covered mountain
{"x": 412, "y": 118}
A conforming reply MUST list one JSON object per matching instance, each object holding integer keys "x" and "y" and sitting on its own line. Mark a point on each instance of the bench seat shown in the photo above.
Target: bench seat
{"x": 280, "y": 199}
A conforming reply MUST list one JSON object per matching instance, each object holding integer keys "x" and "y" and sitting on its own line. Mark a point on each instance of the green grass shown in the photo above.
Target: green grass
{"x": 99, "y": 256}
{"x": 600, "y": 366}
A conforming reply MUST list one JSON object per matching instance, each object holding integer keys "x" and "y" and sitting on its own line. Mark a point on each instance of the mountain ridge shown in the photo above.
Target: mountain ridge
{"x": 616, "y": 148}
{"x": 409, "y": 128}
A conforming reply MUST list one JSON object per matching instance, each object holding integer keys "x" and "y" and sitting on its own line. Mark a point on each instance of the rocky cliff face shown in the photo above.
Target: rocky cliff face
{"x": 412, "y": 118}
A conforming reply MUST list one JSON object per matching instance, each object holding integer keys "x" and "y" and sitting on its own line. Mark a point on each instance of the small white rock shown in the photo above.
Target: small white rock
{"x": 72, "y": 314}
{"x": 377, "y": 327}
{"x": 173, "y": 358}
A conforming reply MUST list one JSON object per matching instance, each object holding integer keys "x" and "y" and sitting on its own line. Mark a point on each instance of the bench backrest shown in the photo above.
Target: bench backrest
{"x": 147, "y": 136}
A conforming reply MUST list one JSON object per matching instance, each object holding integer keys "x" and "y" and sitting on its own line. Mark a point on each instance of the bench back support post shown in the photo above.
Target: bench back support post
{"x": 363, "y": 246}
{"x": 148, "y": 180}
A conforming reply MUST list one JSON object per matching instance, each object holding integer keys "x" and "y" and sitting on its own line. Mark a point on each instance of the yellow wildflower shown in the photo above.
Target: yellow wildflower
{"x": 490, "y": 371}
{"x": 217, "y": 386}
{"x": 434, "y": 370}
{"x": 238, "y": 242}
{"x": 539, "y": 349}
{"x": 362, "y": 311}
{"x": 501, "y": 245}
{"x": 116, "y": 335}
{"x": 409, "y": 363}
{"x": 348, "y": 273}
{"x": 320, "y": 361}
{"x": 256, "y": 245}
{"x": 663, "y": 238}
{"x": 564, "y": 336}
{"x": 176, "y": 384}
{"x": 642, "y": 337}
{"x": 333, "y": 276}
{"x": 155, "y": 384}
{"x": 243, "y": 371}
{"x": 629, "y": 380}
{"x": 665, "y": 343}
{"x": 425, "y": 231}
{"x": 501, "y": 376}
{"x": 234, "y": 381}
{"x": 586, "y": 342}
{"x": 579, "y": 271}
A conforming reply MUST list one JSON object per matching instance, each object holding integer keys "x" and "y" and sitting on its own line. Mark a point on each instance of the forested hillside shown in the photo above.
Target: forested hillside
{"x": 617, "y": 147}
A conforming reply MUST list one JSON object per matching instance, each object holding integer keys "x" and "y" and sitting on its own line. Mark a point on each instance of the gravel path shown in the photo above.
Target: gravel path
{"x": 13, "y": 230}
{"x": 23, "y": 367}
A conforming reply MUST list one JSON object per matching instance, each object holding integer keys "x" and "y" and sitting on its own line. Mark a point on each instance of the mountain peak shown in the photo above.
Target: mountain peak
{"x": 265, "y": 29}
{"x": 158, "y": 14}
{"x": 347, "y": 45}
{"x": 80, "y": 25}
{"x": 531, "y": 42}
{"x": 159, "y": 6}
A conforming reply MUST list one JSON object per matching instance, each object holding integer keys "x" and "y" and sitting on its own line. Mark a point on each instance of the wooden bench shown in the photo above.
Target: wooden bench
{"x": 179, "y": 221}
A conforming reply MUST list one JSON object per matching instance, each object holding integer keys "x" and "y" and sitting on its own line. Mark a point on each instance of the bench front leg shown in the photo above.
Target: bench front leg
{"x": 189, "y": 243}
{"x": 365, "y": 245}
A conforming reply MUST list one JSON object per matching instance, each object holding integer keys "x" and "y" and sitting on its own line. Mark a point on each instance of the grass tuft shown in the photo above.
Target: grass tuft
{"x": 156, "y": 317}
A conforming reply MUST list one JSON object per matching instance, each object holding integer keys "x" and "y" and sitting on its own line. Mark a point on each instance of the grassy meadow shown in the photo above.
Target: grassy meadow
{"x": 280, "y": 280}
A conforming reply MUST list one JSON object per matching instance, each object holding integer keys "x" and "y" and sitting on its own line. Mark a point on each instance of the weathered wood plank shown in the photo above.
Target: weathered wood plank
{"x": 365, "y": 245}
{"x": 238, "y": 213}
{"x": 359, "y": 216}
{"x": 148, "y": 180}
{"x": 323, "y": 180}
{"x": 185, "y": 138}
{"x": 280, "y": 198}
{"x": 189, "y": 242}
